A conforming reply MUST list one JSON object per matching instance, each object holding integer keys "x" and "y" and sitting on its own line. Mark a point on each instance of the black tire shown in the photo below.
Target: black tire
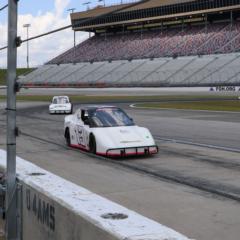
{"x": 67, "y": 137}
{"x": 92, "y": 144}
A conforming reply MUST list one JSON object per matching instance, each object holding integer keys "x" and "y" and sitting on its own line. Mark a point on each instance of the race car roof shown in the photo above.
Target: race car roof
{"x": 60, "y": 97}
{"x": 92, "y": 107}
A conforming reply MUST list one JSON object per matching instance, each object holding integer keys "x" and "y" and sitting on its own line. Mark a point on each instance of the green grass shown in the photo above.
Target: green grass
{"x": 199, "y": 102}
{"x": 20, "y": 71}
{"x": 213, "y": 105}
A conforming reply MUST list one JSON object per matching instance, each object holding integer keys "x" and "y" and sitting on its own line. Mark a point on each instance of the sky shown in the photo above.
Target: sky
{"x": 44, "y": 16}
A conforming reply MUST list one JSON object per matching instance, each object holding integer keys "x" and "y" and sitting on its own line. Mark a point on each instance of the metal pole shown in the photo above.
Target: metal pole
{"x": 74, "y": 44}
{"x": 11, "y": 200}
{"x": 27, "y": 27}
{"x": 27, "y": 49}
{"x": 231, "y": 16}
{"x": 87, "y": 4}
{"x": 74, "y": 37}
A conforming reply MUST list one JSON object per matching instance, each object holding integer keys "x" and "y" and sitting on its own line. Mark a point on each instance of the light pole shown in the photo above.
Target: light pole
{"x": 27, "y": 27}
{"x": 74, "y": 36}
{"x": 103, "y": 2}
{"x": 87, "y": 4}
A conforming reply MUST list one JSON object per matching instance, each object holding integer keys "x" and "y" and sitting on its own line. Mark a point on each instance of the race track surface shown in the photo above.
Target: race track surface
{"x": 192, "y": 185}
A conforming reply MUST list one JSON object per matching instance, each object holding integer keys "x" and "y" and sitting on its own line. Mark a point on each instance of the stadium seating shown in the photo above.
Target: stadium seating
{"x": 207, "y": 70}
{"x": 187, "y": 55}
{"x": 168, "y": 42}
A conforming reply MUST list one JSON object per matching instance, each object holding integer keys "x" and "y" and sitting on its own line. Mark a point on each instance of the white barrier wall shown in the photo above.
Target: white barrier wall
{"x": 54, "y": 208}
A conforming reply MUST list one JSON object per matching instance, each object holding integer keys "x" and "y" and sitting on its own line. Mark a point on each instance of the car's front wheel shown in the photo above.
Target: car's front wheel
{"x": 67, "y": 137}
{"x": 92, "y": 144}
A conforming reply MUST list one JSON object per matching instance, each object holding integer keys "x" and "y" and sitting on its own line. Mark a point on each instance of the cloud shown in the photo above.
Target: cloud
{"x": 60, "y": 6}
{"x": 45, "y": 48}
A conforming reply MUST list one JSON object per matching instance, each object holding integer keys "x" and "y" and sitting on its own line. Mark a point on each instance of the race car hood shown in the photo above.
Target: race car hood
{"x": 126, "y": 136}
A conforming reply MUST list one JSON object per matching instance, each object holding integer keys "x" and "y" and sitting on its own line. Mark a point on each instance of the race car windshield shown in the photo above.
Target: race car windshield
{"x": 111, "y": 117}
{"x": 60, "y": 100}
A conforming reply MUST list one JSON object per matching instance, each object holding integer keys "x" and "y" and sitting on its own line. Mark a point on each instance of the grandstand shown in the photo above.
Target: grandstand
{"x": 156, "y": 43}
{"x": 208, "y": 70}
{"x": 186, "y": 41}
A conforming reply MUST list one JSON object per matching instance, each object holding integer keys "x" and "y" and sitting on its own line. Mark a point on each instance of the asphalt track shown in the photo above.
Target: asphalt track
{"x": 192, "y": 185}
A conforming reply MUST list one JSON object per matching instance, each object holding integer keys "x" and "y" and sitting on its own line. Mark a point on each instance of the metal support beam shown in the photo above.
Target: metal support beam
{"x": 74, "y": 38}
{"x": 11, "y": 197}
{"x": 74, "y": 45}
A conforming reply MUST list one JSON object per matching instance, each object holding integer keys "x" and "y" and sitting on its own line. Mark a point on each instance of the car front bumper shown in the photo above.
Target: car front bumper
{"x": 130, "y": 151}
{"x": 55, "y": 111}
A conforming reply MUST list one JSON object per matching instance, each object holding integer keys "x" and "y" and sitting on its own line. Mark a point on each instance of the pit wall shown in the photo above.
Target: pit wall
{"x": 53, "y": 208}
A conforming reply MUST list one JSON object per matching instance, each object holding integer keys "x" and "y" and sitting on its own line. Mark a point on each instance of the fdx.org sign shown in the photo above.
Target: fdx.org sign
{"x": 43, "y": 211}
{"x": 227, "y": 88}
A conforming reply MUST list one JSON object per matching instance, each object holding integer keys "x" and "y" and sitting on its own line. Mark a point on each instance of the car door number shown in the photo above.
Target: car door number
{"x": 79, "y": 130}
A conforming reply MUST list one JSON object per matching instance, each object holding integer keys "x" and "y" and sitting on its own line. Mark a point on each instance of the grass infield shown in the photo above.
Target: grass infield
{"x": 196, "y": 102}
{"x": 213, "y": 105}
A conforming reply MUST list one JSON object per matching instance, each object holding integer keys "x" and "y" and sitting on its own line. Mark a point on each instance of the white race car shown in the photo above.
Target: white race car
{"x": 60, "y": 104}
{"x": 107, "y": 131}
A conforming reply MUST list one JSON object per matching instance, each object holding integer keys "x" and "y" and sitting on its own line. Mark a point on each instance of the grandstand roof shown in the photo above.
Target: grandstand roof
{"x": 102, "y": 10}
{"x": 150, "y": 11}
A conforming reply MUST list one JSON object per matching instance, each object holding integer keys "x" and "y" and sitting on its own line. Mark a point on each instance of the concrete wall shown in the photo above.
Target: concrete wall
{"x": 54, "y": 208}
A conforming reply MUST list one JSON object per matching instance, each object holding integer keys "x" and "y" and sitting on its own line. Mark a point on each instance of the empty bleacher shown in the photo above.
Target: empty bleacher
{"x": 205, "y": 70}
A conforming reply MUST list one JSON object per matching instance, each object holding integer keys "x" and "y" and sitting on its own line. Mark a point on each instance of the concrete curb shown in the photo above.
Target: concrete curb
{"x": 54, "y": 208}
